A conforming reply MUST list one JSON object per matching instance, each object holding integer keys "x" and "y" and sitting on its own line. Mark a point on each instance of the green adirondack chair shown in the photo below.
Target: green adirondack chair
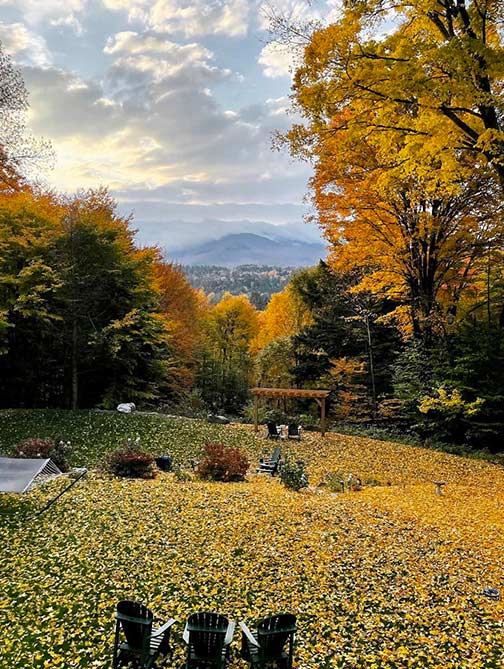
{"x": 208, "y": 636}
{"x": 270, "y": 466}
{"x": 135, "y": 642}
{"x": 273, "y": 643}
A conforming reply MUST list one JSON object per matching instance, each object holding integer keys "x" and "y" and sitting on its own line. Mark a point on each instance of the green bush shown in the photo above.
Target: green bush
{"x": 293, "y": 475}
{"x": 182, "y": 475}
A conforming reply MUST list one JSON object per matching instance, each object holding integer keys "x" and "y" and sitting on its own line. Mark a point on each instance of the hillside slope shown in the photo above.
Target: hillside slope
{"x": 388, "y": 577}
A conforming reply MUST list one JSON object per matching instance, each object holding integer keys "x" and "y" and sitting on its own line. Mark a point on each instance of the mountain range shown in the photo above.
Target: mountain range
{"x": 247, "y": 248}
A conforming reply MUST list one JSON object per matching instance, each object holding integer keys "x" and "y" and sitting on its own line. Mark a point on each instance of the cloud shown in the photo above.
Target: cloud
{"x": 69, "y": 21}
{"x": 190, "y": 18}
{"x": 154, "y": 113}
{"x": 163, "y": 83}
{"x": 129, "y": 42}
{"x": 153, "y": 121}
{"x": 23, "y": 45}
{"x": 35, "y": 12}
{"x": 63, "y": 105}
{"x": 277, "y": 60}
{"x": 150, "y": 57}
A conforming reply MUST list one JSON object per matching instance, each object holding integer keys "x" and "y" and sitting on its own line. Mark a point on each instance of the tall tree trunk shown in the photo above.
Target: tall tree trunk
{"x": 371, "y": 363}
{"x": 75, "y": 376}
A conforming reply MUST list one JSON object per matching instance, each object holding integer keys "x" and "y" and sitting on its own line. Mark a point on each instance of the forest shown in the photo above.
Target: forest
{"x": 403, "y": 322}
{"x": 259, "y": 282}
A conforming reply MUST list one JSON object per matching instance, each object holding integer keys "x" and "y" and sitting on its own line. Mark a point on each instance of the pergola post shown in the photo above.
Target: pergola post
{"x": 323, "y": 417}
{"x": 256, "y": 413}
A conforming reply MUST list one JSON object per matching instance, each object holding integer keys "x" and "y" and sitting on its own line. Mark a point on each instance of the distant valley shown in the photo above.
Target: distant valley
{"x": 256, "y": 281}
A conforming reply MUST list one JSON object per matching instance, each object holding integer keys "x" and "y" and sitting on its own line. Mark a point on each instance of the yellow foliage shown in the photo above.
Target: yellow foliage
{"x": 405, "y": 136}
{"x": 233, "y": 321}
{"x": 450, "y": 402}
{"x": 284, "y": 316}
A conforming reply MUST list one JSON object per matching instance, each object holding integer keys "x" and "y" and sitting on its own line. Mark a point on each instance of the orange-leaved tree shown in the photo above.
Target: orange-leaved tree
{"x": 184, "y": 309}
{"x": 430, "y": 70}
{"x": 417, "y": 242}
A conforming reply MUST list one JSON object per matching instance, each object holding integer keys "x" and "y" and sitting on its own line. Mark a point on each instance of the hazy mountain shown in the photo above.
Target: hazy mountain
{"x": 175, "y": 235}
{"x": 245, "y": 248}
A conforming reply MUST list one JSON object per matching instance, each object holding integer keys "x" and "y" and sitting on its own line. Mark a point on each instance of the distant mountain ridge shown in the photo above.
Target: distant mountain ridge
{"x": 179, "y": 235}
{"x": 249, "y": 249}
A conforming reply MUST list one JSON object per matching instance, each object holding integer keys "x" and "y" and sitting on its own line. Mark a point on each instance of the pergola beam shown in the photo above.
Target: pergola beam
{"x": 320, "y": 396}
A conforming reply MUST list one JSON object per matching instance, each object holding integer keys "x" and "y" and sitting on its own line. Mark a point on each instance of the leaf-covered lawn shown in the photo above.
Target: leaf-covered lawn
{"x": 387, "y": 577}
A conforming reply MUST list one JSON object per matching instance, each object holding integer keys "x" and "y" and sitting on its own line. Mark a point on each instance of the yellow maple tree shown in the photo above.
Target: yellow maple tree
{"x": 284, "y": 315}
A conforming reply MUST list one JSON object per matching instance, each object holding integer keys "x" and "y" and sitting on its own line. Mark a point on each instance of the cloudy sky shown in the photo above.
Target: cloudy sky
{"x": 171, "y": 103}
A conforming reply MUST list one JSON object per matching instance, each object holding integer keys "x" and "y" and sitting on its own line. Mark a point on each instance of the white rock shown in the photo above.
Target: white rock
{"x": 126, "y": 407}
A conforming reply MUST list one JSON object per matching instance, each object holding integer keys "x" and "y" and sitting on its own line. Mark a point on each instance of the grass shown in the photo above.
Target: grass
{"x": 391, "y": 576}
{"x": 93, "y": 434}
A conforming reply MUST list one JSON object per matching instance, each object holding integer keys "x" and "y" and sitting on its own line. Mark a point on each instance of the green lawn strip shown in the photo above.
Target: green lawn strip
{"x": 93, "y": 434}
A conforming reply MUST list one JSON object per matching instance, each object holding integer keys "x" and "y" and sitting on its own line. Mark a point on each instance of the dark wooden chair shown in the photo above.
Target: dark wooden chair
{"x": 208, "y": 636}
{"x": 270, "y": 466}
{"x": 273, "y": 431}
{"x": 273, "y": 643}
{"x": 294, "y": 431}
{"x": 141, "y": 645}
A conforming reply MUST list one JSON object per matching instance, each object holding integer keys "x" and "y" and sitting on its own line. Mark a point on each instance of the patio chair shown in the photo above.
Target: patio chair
{"x": 208, "y": 636}
{"x": 294, "y": 431}
{"x": 270, "y": 466}
{"x": 273, "y": 431}
{"x": 142, "y": 645}
{"x": 273, "y": 643}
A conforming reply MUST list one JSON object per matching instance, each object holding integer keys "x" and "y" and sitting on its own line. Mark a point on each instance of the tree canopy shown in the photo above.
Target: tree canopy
{"x": 430, "y": 70}
{"x": 404, "y": 129}
{"x": 81, "y": 320}
{"x": 19, "y": 150}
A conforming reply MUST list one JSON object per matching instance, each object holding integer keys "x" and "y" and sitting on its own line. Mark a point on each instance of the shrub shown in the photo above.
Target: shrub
{"x": 345, "y": 482}
{"x": 222, "y": 464}
{"x": 45, "y": 448}
{"x": 293, "y": 475}
{"x": 131, "y": 462}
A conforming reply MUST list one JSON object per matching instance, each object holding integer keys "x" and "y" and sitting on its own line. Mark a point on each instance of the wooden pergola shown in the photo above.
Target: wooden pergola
{"x": 320, "y": 396}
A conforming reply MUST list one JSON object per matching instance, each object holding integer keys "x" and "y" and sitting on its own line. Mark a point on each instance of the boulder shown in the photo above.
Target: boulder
{"x": 126, "y": 407}
{"x": 220, "y": 420}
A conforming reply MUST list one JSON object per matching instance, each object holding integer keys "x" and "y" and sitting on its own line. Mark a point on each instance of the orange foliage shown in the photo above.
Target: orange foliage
{"x": 413, "y": 246}
{"x": 182, "y": 307}
{"x": 386, "y": 122}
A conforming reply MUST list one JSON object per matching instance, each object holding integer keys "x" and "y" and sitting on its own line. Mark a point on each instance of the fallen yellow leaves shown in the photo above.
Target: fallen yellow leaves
{"x": 388, "y": 577}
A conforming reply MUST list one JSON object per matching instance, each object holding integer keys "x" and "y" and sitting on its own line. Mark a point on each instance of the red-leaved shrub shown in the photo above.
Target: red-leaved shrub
{"x": 222, "y": 464}
{"x": 45, "y": 448}
{"x": 131, "y": 462}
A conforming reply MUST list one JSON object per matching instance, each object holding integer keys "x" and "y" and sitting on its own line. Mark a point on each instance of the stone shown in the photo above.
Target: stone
{"x": 216, "y": 419}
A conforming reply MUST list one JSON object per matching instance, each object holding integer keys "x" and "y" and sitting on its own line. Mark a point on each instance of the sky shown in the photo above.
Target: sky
{"x": 170, "y": 103}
